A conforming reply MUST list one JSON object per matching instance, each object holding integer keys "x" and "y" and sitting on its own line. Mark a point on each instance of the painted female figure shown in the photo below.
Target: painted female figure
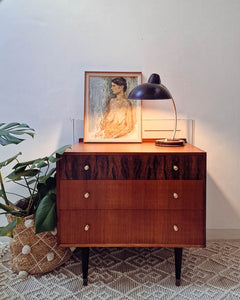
{"x": 118, "y": 120}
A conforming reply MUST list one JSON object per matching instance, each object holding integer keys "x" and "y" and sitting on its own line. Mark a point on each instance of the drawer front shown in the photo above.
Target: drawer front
{"x": 133, "y": 167}
{"x": 131, "y": 194}
{"x": 132, "y": 227}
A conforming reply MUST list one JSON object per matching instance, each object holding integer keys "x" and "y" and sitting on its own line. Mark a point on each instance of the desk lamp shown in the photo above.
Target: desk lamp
{"x": 154, "y": 90}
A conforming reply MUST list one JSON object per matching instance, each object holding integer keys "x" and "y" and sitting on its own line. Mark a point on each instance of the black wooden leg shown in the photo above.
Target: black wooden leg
{"x": 178, "y": 264}
{"x": 85, "y": 259}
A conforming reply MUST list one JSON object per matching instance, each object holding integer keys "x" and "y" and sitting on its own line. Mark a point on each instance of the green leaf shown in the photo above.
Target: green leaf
{"x": 9, "y": 210}
{"x": 18, "y": 175}
{"x": 9, "y": 133}
{"x": 29, "y": 182}
{"x": 9, "y": 160}
{"x": 6, "y": 208}
{"x": 30, "y": 163}
{"x": 42, "y": 164}
{"x": 8, "y": 230}
{"x": 43, "y": 179}
{"x": 53, "y": 159}
{"x": 59, "y": 151}
{"x": 42, "y": 189}
{"x": 19, "y": 169}
{"x": 48, "y": 186}
{"x": 9, "y": 125}
{"x": 35, "y": 163}
{"x": 45, "y": 217}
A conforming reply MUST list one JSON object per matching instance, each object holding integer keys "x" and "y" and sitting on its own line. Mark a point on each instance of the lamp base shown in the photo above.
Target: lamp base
{"x": 169, "y": 143}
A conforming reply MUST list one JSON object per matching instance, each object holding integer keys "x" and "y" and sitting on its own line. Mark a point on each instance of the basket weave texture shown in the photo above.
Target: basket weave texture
{"x": 35, "y": 253}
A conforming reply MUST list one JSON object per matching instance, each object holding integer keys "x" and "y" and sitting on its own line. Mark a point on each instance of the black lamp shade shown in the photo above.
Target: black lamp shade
{"x": 154, "y": 90}
{"x": 151, "y": 90}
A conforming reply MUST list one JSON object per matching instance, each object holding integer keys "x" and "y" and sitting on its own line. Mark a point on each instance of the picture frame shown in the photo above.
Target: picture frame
{"x": 109, "y": 116}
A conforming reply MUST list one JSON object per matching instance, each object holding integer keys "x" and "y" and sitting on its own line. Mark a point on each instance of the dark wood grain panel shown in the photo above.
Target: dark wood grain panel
{"x": 133, "y": 167}
{"x": 131, "y": 194}
{"x": 132, "y": 227}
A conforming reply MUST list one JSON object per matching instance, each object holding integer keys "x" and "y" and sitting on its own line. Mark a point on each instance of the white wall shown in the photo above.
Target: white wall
{"x": 194, "y": 45}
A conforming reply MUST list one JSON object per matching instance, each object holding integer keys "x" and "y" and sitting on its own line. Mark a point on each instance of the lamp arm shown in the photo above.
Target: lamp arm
{"x": 175, "y": 116}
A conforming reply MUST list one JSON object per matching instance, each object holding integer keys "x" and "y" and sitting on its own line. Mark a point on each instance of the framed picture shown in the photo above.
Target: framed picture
{"x": 109, "y": 116}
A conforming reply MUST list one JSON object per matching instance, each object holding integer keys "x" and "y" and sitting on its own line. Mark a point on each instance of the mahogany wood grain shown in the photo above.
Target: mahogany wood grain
{"x": 132, "y": 167}
{"x": 131, "y": 194}
{"x": 132, "y": 227}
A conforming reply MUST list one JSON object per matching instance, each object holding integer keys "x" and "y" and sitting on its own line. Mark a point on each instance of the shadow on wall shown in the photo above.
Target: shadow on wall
{"x": 221, "y": 214}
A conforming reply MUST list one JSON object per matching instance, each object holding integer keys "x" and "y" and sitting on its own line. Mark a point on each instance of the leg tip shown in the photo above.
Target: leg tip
{"x": 85, "y": 281}
{"x": 178, "y": 282}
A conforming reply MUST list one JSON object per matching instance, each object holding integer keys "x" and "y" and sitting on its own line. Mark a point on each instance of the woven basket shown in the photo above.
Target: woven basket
{"x": 35, "y": 253}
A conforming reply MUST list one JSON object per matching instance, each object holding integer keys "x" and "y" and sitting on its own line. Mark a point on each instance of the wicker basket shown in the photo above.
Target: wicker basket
{"x": 35, "y": 253}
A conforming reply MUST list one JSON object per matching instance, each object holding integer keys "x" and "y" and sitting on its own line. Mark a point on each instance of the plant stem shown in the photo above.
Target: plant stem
{"x": 3, "y": 189}
{"x": 47, "y": 167}
{"x": 36, "y": 182}
{"x": 26, "y": 186}
{"x": 10, "y": 193}
{"x": 31, "y": 196}
{"x": 29, "y": 205}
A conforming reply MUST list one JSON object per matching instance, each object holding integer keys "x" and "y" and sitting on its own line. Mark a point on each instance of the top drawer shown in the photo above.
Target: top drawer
{"x": 133, "y": 167}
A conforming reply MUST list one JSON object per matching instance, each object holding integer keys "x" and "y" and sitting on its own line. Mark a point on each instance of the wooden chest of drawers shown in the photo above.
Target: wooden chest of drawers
{"x": 131, "y": 195}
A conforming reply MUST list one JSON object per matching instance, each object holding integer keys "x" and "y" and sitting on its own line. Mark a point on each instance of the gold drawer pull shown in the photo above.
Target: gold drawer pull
{"x": 175, "y": 168}
{"x": 175, "y": 228}
{"x": 87, "y": 227}
{"x": 175, "y": 195}
{"x": 86, "y": 167}
{"x": 86, "y": 195}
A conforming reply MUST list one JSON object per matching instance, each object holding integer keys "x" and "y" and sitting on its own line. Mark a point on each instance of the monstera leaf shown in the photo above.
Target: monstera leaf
{"x": 36, "y": 176}
{"x": 46, "y": 217}
{"x": 8, "y": 229}
{"x": 9, "y": 133}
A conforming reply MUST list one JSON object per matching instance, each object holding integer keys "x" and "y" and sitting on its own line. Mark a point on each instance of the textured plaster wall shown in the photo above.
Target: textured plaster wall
{"x": 45, "y": 46}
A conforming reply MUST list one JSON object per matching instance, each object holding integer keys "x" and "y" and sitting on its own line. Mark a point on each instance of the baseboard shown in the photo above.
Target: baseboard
{"x": 226, "y": 234}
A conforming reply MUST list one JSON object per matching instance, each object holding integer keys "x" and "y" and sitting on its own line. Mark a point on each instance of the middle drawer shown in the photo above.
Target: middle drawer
{"x": 121, "y": 194}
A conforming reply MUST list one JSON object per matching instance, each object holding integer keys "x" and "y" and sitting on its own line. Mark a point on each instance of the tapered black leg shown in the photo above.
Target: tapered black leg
{"x": 85, "y": 260}
{"x": 178, "y": 264}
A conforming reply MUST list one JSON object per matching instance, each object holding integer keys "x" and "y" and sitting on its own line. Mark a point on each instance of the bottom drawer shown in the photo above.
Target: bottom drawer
{"x": 132, "y": 228}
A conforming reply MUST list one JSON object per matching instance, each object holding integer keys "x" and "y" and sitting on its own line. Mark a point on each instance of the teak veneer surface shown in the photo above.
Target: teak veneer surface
{"x": 154, "y": 194}
{"x": 131, "y": 227}
{"x": 145, "y": 147}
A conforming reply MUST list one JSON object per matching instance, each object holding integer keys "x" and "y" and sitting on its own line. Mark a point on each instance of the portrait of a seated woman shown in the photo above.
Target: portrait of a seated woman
{"x": 118, "y": 119}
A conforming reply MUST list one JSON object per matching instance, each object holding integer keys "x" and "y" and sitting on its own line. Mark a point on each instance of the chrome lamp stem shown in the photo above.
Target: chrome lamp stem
{"x": 175, "y": 116}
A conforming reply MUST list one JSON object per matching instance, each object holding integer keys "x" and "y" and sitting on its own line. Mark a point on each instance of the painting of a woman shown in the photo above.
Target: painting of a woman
{"x": 118, "y": 120}
{"x": 110, "y": 115}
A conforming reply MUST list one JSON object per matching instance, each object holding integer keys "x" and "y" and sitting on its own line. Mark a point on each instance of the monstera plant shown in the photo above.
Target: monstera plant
{"x": 36, "y": 177}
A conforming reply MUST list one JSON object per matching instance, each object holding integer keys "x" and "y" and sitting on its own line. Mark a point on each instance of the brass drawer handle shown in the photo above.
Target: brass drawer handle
{"x": 86, "y": 195}
{"x": 175, "y": 195}
{"x": 86, "y": 167}
{"x": 87, "y": 227}
{"x": 175, "y": 168}
{"x": 175, "y": 228}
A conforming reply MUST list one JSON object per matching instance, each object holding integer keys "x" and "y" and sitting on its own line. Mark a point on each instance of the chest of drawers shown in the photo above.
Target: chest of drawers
{"x": 132, "y": 195}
